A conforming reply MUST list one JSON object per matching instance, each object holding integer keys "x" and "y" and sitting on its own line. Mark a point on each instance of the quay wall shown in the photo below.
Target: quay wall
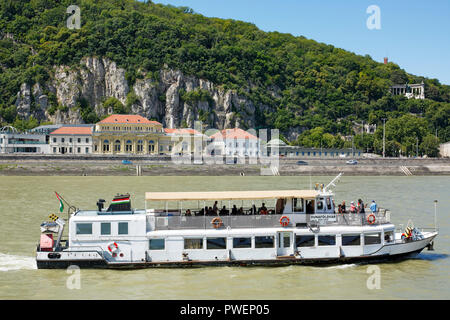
{"x": 98, "y": 165}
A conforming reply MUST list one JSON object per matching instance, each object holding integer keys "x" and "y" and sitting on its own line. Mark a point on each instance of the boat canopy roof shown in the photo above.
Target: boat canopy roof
{"x": 230, "y": 195}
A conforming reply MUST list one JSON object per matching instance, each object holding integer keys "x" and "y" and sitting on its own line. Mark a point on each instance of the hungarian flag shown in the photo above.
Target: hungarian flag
{"x": 120, "y": 200}
{"x": 61, "y": 204}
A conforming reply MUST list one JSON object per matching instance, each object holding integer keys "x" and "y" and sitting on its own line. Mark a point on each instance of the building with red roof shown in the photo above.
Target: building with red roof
{"x": 71, "y": 139}
{"x": 235, "y": 142}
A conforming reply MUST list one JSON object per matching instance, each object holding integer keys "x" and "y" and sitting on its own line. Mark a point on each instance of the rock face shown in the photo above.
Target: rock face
{"x": 164, "y": 99}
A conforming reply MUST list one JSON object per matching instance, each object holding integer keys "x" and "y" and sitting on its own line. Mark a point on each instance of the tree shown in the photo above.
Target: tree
{"x": 430, "y": 146}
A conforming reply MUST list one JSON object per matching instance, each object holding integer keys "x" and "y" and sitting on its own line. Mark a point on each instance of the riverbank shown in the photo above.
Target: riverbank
{"x": 159, "y": 166}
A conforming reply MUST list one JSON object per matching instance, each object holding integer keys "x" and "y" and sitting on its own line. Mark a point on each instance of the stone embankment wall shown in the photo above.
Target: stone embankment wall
{"x": 162, "y": 165}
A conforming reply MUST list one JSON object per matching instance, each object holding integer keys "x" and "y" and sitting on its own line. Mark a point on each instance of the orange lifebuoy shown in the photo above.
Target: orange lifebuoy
{"x": 371, "y": 219}
{"x": 217, "y": 222}
{"x": 284, "y": 221}
{"x": 113, "y": 247}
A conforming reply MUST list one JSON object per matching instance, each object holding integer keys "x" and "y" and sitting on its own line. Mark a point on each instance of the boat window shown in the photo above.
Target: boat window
{"x": 84, "y": 228}
{"x": 105, "y": 228}
{"x": 242, "y": 243}
{"x": 157, "y": 244}
{"x": 309, "y": 206}
{"x": 388, "y": 236}
{"x": 351, "y": 239}
{"x": 328, "y": 203}
{"x": 372, "y": 238}
{"x": 320, "y": 204}
{"x": 123, "y": 227}
{"x": 216, "y": 243}
{"x": 297, "y": 204}
{"x": 327, "y": 240}
{"x": 264, "y": 242}
{"x": 304, "y": 241}
{"x": 193, "y": 243}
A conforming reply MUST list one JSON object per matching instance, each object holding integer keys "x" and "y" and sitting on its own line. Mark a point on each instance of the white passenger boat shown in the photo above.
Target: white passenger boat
{"x": 270, "y": 228}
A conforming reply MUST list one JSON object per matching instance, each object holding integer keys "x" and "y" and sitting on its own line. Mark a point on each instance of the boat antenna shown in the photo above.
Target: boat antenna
{"x": 435, "y": 216}
{"x": 332, "y": 183}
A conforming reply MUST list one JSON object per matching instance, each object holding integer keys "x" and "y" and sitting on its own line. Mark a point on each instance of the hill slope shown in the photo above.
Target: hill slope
{"x": 176, "y": 66}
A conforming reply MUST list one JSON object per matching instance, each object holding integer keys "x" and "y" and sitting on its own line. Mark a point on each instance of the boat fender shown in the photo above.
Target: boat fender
{"x": 371, "y": 219}
{"x": 113, "y": 247}
{"x": 217, "y": 222}
{"x": 284, "y": 221}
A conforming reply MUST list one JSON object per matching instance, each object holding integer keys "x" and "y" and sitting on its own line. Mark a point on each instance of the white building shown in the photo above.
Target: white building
{"x": 71, "y": 140}
{"x": 416, "y": 90}
{"x": 11, "y": 141}
{"x": 235, "y": 142}
{"x": 444, "y": 150}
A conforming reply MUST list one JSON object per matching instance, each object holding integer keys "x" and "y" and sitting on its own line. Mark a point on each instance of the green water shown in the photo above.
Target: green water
{"x": 26, "y": 201}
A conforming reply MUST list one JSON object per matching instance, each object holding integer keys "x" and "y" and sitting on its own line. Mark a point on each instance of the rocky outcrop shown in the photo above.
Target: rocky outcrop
{"x": 163, "y": 99}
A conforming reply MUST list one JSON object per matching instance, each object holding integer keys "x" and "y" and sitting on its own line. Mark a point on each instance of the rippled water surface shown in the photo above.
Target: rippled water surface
{"x": 26, "y": 201}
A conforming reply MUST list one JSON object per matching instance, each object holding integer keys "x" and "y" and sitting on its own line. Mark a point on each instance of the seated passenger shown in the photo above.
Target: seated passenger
{"x": 263, "y": 209}
{"x": 234, "y": 211}
{"x": 253, "y": 209}
{"x": 188, "y": 212}
{"x": 223, "y": 211}
{"x": 211, "y": 212}
{"x": 241, "y": 211}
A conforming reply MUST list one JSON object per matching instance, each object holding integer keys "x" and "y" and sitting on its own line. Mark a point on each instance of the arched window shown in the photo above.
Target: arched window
{"x": 106, "y": 146}
{"x": 140, "y": 146}
{"x": 151, "y": 146}
{"x": 117, "y": 146}
{"x": 129, "y": 146}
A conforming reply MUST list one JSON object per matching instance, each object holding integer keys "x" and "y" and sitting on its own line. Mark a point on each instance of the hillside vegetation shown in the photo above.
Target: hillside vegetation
{"x": 317, "y": 89}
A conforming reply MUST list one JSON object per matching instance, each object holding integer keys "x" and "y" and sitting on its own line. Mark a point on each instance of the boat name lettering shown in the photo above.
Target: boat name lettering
{"x": 323, "y": 217}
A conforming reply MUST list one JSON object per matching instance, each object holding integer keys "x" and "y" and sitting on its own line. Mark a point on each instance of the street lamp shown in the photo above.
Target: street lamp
{"x": 384, "y": 138}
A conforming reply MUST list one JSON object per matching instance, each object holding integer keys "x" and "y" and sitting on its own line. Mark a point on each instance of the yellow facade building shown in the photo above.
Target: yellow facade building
{"x": 134, "y": 134}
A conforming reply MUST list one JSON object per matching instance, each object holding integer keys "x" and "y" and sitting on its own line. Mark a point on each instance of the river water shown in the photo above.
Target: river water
{"x": 27, "y": 201}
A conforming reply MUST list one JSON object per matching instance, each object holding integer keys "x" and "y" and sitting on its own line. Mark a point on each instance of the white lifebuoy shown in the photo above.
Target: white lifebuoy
{"x": 113, "y": 247}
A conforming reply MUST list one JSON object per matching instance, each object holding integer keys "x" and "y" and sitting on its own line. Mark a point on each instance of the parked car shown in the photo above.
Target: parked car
{"x": 302, "y": 163}
{"x": 352, "y": 162}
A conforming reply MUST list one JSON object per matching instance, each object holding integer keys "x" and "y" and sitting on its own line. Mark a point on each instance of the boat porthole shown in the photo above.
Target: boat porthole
{"x": 121, "y": 255}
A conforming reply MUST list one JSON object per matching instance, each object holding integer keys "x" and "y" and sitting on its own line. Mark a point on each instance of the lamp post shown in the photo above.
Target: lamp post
{"x": 384, "y": 137}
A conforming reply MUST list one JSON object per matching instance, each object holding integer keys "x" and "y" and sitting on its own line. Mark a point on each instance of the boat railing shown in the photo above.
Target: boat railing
{"x": 174, "y": 222}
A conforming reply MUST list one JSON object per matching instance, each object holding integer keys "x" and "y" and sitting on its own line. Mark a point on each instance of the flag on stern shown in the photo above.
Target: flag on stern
{"x": 61, "y": 204}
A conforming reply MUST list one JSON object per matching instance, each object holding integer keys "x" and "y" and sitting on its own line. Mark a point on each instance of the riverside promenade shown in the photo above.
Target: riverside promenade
{"x": 98, "y": 165}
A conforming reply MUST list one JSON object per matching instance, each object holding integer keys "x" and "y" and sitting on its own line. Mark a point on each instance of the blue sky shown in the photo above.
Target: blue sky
{"x": 414, "y": 34}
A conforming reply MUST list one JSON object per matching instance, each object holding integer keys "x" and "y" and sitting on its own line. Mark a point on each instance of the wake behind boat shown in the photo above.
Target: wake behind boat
{"x": 243, "y": 228}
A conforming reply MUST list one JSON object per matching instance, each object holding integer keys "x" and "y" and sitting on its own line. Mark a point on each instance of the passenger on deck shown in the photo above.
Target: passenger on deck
{"x": 373, "y": 206}
{"x": 361, "y": 206}
{"x": 343, "y": 207}
{"x": 215, "y": 208}
{"x": 202, "y": 212}
{"x": 339, "y": 208}
{"x": 241, "y": 211}
{"x": 234, "y": 211}
{"x": 263, "y": 209}
{"x": 211, "y": 212}
{"x": 223, "y": 211}
{"x": 253, "y": 209}
{"x": 188, "y": 212}
{"x": 352, "y": 207}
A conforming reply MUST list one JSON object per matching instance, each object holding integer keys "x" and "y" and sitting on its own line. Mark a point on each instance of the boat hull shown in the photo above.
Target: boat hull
{"x": 387, "y": 253}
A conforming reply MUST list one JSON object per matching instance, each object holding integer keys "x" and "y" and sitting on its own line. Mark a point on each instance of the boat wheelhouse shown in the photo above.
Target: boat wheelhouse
{"x": 185, "y": 229}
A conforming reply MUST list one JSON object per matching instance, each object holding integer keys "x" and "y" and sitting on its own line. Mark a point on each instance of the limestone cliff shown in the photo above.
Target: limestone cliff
{"x": 172, "y": 98}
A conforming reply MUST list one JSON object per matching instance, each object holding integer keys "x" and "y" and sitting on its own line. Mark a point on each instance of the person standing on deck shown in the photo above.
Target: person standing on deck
{"x": 373, "y": 206}
{"x": 352, "y": 207}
